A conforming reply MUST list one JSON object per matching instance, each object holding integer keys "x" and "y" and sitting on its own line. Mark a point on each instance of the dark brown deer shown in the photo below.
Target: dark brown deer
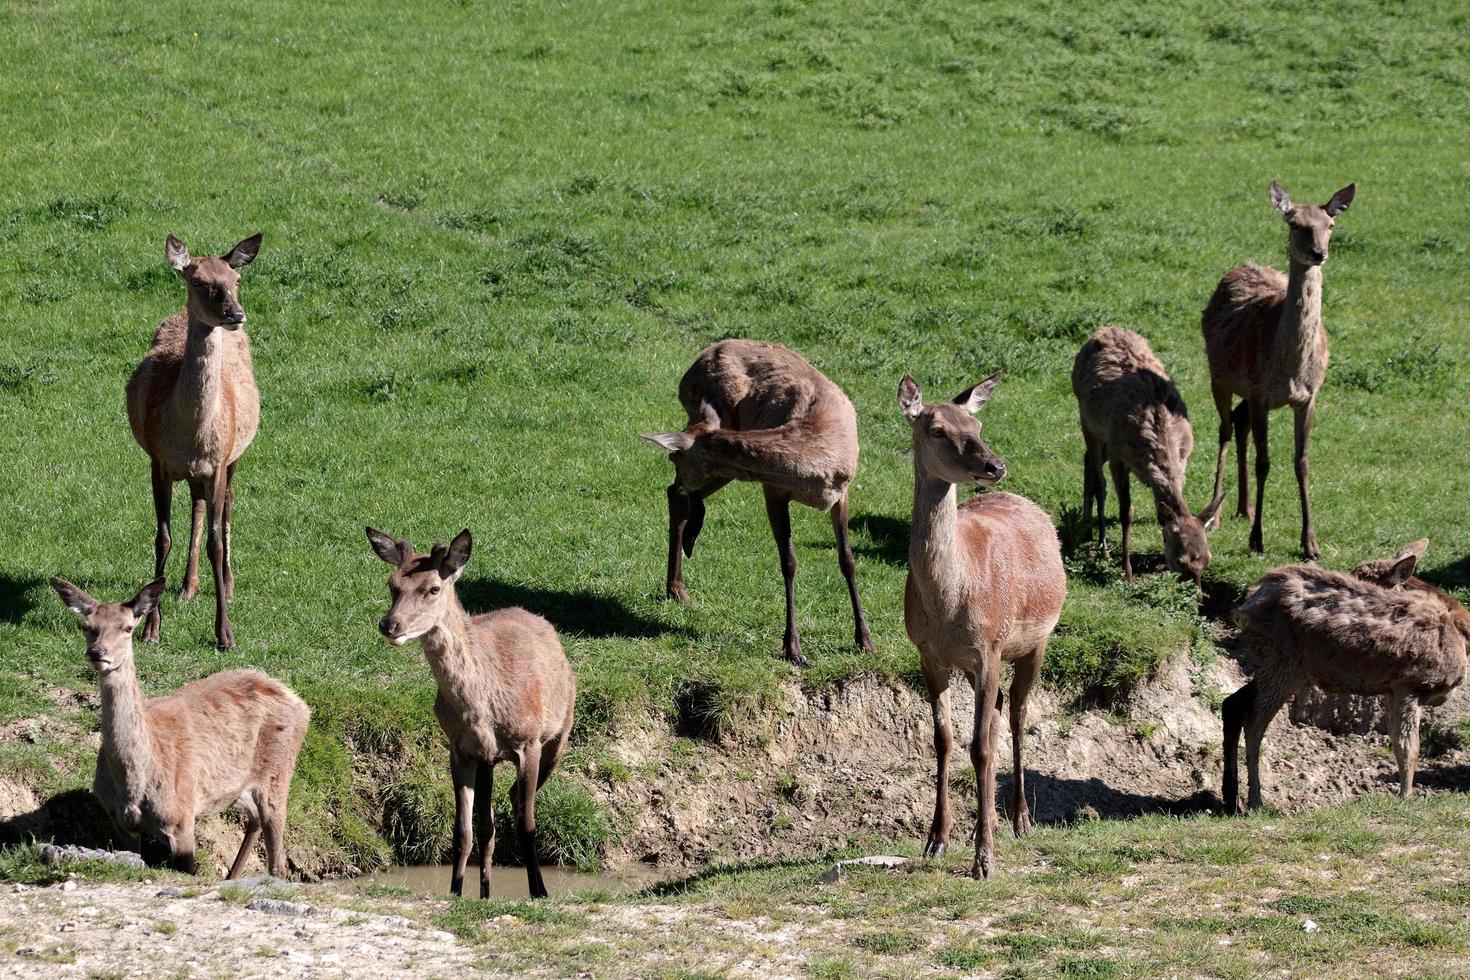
{"x": 985, "y": 586}
{"x": 194, "y": 408}
{"x": 229, "y": 740}
{"x": 1266, "y": 345}
{"x": 506, "y": 694}
{"x": 760, "y": 412}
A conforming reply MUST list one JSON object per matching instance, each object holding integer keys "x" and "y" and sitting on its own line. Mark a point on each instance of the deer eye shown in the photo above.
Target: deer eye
{"x": 937, "y": 432}
{"x": 433, "y": 590}
{"x": 127, "y": 629}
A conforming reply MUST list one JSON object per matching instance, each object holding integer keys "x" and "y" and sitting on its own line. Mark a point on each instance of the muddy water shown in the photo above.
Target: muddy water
{"x": 433, "y": 879}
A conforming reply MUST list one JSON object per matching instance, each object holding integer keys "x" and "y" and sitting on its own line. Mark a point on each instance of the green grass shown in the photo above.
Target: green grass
{"x": 496, "y": 235}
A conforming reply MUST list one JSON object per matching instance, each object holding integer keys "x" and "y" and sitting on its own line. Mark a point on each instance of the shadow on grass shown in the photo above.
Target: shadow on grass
{"x": 1455, "y": 575}
{"x": 889, "y": 537}
{"x": 1060, "y": 800}
{"x": 15, "y": 596}
{"x": 680, "y": 886}
{"x": 72, "y": 817}
{"x": 585, "y": 613}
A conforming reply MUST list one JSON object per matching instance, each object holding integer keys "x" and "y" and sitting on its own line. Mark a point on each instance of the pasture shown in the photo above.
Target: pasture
{"x": 497, "y": 234}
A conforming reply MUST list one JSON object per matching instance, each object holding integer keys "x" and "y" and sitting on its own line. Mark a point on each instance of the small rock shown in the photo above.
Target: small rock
{"x": 54, "y": 854}
{"x": 442, "y": 936}
{"x": 69, "y": 885}
{"x": 392, "y": 921}
{"x": 1308, "y": 925}
{"x": 1086, "y": 813}
{"x": 275, "y": 906}
{"x": 885, "y": 861}
{"x": 17, "y": 889}
{"x": 169, "y": 892}
{"x": 28, "y": 951}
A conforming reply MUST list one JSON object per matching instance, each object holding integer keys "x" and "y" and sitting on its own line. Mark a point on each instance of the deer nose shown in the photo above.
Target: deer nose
{"x": 388, "y": 626}
{"x": 995, "y": 468}
{"x": 1318, "y": 254}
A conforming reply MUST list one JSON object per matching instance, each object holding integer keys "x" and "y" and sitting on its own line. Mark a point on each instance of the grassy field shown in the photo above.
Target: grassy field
{"x": 496, "y": 235}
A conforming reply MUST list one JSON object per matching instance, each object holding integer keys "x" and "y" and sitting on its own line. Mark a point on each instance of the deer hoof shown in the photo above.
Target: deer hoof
{"x": 1022, "y": 824}
{"x": 934, "y": 848}
{"x": 795, "y": 657}
{"x": 677, "y": 594}
{"x": 225, "y": 638}
{"x": 189, "y": 591}
{"x": 984, "y": 866}
{"x": 865, "y": 643}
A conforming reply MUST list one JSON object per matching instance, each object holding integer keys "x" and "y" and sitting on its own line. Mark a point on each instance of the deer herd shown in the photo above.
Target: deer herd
{"x": 986, "y": 581}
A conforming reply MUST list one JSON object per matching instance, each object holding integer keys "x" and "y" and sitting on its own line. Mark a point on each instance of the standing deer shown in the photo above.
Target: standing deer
{"x": 506, "y": 694}
{"x": 985, "y": 585}
{"x": 229, "y": 740}
{"x": 1379, "y": 631}
{"x": 760, "y": 412}
{"x": 1266, "y": 344}
{"x": 193, "y": 407}
{"x": 1134, "y": 420}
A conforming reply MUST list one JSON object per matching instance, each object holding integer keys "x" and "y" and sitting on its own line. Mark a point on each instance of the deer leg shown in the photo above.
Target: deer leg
{"x": 936, "y": 681}
{"x": 485, "y": 822}
{"x": 1302, "y": 429}
{"x": 1125, "y": 513}
{"x": 196, "y": 539}
{"x": 778, "y": 511}
{"x": 1100, "y": 492}
{"x": 1233, "y": 715}
{"x": 1403, "y": 719}
{"x": 1222, "y": 406}
{"x": 229, "y": 507}
{"x": 982, "y": 757}
{"x": 181, "y": 849}
{"x": 848, "y": 564}
{"x": 527, "y": 777}
{"x": 1026, "y": 670}
{"x": 1273, "y": 689}
{"x": 273, "y": 822}
{"x": 679, "y": 508}
{"x": 1263, "y": 468}
{"x": 247, "y": 846}
{"x": 223, "y": 634}
{"x": 462, "y": 771}
{"x": 1241, "y": 418}
{"x": 163, "y": 498}
{"x": 1092, "y": 466}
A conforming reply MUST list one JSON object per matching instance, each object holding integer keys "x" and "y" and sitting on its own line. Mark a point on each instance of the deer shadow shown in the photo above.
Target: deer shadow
{"x": 70, "y": 817}
{"x": 1058, "y": 799}
{"x": 15, "y": 595}
{"x": 1455, "y": 575}
{"x": 887, "y": 538}
{"x": 583, "y": 612}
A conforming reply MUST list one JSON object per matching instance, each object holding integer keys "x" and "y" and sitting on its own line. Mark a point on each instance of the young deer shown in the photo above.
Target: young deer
{"x": 760, "y": 412}
{"x": 1266, "y": 344}
{"x": 193, "y": 407}
{"x": 506, "y": 694}
{"x": 1134, "y": 420}
{"x": 229, "y": 740}
{"x": 1379, "y": 631}
{"x": 985, "y": 585}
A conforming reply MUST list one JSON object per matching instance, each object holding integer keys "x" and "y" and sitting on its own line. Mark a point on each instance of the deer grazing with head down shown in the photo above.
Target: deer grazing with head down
{"x": 985, "y": 585}
{"x": 1134, "y": 420}
{"x": 1266, "y": 345}
{"x": 1379, "y": 631}
{"x": 506, "y": 694}
{"x": 760, "y": 412}
{"x": 229, "y": 740}
{"x": 193, "y": 407}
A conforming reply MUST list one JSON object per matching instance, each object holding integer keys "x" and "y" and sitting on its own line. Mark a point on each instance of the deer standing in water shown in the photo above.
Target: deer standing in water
{"x": 194, "y": 408}
{"x": 985, "y": 586}
{"x": 229, "y": 740}
{"x": 760, "y": 412}
{"x": 1266, "y": 345}
{"x": 506, "y": 694}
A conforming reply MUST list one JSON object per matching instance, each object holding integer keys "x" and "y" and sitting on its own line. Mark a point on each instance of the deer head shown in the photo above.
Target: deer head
{"x": 1311, "y": 226}
{"x": 947, "y": 443}
{"x": 1186, "y": 546}
{"x": 420, "y": 585}
{"x": 108, "y": 626}
{"x": 1393, "y": 572}
{"x": 213, "y": 282}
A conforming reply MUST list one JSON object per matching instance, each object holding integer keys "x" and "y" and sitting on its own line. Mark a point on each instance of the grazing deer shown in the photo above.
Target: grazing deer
{"x": 760, "y": 412}
{"x": 506, "y": 694}
{"x": 229, "y": 740}
{"x": 1266, "y": 345}
{"x": 1379, "y": 631}
{"x": 985, "y": 585}
{"x": 1134, "y": 420}
{"x": 193, "y": 407}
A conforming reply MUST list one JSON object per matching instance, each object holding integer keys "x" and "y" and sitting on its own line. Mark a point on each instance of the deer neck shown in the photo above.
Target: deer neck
{"x": 1301, "y": 315}
{"x": 125, "y": 738}
{"x": 933, "y": 551}
{"x": 447, "y": 647}
{"x": 198, "y": 391}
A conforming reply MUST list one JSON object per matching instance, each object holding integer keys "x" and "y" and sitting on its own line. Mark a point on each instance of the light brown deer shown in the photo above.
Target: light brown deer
{"x": 1379, "y": 631}
{"x": 229, "y": 740}
{"x": 193, "y": 407}
{"x": 1266, "y": 345}
{"x": 506, "y": 694}
{"x": 760, "y": 412}
{"x": 985, "y": 585}
{"x": 1134, "y": 420}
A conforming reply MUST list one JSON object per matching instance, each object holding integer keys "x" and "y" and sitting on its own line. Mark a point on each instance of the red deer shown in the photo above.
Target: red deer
{"x": 193, "y": 407}
{"x": 760, "y": 412}
{"x": 985, "y": 585}
{"x": 229, "y": 740}
{"x": 1266, "y": 345}
{"x": 506, "y": 694}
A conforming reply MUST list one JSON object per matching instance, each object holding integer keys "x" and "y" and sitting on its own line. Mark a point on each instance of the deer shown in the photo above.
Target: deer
{"x": 1134, "y": 421}
{"x": 228, "y": 740}
{"x": 1379, "y": 631}
{"x": 761, "y": 412}
{"x": 194, "y": 408}
{"x": 506, "y": 694}
{"x": 985, "y": 586}
{"x": 1266, "y": 345}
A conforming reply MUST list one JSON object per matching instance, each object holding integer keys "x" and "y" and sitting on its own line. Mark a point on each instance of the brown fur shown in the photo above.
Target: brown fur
{"x": 760, "y": 412}
{"x": 985, "y": 585}
{"x": 506, "y": 694}
{"x": 229, "y": 740}
{"x": 1386, "y": 633}
{"x": 1134, "y": 420}
{"x": 1266, "y": 345}
{"x": 194, "y": 408}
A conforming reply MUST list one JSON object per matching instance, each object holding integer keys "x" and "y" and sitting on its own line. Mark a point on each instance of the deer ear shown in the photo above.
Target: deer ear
{"x": 674, "y": 442}
{"x": 244, "y": 253}
{"x": 385, "y": 547}
{"x": 973, "y": 399}
{"x": 1212, "y": 510}
{"x": 147, "y": 598}
{"x": 1340, "y": 201}
{"x": 75, "y": 597}
{"x": 1401, "y": 570}
{"x": 1416, "y": 549}
{"x": 910, "y": 398}
{"x": 178, "y": 254}
{"x": 456, "y": 555}
{"x": 1280, "y": 200}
